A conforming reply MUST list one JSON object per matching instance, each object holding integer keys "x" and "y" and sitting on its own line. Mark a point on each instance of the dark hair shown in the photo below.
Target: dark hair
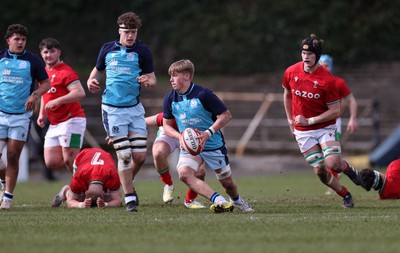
{"x": 130, "y": 20}
{"x": 16, "y": 29}
{"x": 367, "y": 177}
{"x": 313, "y": 44}
{"x": 49, "y": 43}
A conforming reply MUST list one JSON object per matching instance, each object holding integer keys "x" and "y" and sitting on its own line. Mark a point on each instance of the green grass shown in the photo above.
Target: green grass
{"x": 292, "y": 215}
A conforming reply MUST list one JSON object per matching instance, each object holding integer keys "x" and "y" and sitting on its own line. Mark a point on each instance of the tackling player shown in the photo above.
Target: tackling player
{"x": 163, "y": 149}
{"x": 312, "y": 106}
{"x": 95, "y": 182}
{"x": 346, "y": 98}
{"x": 387, "y": 185}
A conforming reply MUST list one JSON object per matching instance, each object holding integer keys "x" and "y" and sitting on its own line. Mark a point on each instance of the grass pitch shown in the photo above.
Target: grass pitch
{"x": 292, "y": 215}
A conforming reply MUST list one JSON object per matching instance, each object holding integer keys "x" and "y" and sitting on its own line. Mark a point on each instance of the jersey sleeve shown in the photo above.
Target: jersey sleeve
{"x": 167, "y": 107}
{"x": 39, "y": 71}
{"x": 332, "y": 96}
{"x": 146, "y": 61}
{"x": 343, "y": 90}
{"x": 212, "y": 103}
{"x": 159, "y": 119}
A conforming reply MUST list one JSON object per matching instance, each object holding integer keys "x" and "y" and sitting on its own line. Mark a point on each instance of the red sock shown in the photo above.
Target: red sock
{"x": 190, "y": 195}
{"x": 346, "y": 169}
{"x": 342, "y": 192}
{"x": 335, "y": 174}
{"x": 165, "y": 177}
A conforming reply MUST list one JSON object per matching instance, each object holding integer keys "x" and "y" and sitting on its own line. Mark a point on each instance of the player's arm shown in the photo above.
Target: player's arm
{"x": 93, "y": 82}
{"x": 41, "y": 117}
{"x": 37, "y": 94}
{"x": 151, "y": 120}
{"x": 332, "y": 113}
{"x": 76, "y": 93}
{"x": 287, "y": 102}
{"x": 169, "y": 129}
{"x": 116, "y": 200}
{"x": 73, "y": 201}
{"x": 352, "y": 125}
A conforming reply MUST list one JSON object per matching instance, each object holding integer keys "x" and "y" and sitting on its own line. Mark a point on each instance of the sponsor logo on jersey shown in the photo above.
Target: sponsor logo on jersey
{"x": 52, "y": 90}
{"x": 7, "y": 72}
{"x": 306, "y": 94}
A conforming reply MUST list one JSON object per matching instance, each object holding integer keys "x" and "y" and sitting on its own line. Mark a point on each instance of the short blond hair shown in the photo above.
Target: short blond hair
{"x": 182, "y": 66}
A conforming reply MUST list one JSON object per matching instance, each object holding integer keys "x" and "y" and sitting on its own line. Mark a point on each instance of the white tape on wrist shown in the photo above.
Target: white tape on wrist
{"x": 311, "y": 121}
{"x": 81, "y": 205}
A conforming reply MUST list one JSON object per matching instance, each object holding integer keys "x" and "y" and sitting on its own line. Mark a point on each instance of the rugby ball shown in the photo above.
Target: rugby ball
{"x": 189, "y": 141}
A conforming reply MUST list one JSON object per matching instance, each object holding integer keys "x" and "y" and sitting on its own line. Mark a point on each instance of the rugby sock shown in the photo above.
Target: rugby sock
{"x": 8, "y": 196}
{"x": 129, "y": 197}
{"x": 190, "y": 195}
{"x": 342, "y": 192}
{"x": 235, "y": 199}
{"x": 335, "y": 174}
{"x": 165, "y": 176}
{"x": 216, "y": 198}
{"x": 352, "y": 173}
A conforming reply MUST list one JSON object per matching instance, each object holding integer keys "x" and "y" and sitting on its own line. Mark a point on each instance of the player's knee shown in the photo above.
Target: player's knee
{"x": 224, "y": 172}
{"x": 200, "y": 173}
{"x": 315, "y": 160}
{"x": 123, "y": 149}
{"x": 138, "y": 143}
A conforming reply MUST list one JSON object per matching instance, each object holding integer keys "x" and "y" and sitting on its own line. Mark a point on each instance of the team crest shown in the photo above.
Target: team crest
{"x": 23, "y": 65}
{"x": 296, "y": 78}
{"x": 115, "y": 129}
{"x": 130, "y": 56}
{"x": 315, "y": 84}
{"x": 193, "y": 103}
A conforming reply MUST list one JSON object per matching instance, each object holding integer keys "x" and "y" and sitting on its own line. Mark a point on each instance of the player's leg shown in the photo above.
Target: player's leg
{"x": 73, "y": 133}
{"x": 14, "y": 149}
{"x": 218, "y": 162}
{"x": 190, "y": 199}
{"x": 2, "y": 171}
{"x": 161, "y": 150}
{"x": 187, "y": 166}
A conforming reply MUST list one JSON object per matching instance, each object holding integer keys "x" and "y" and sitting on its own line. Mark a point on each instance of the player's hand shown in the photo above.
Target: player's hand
{"x": 144, "y": 80}
{"x": 52, "y": 104}
{"x": 31, "y": 102}
{"x": 352, "y": 125}
{"x": 87, "y": 203}
{"x": 109, "y": 140}
{"x": 100, "y": 202}
{"x": 93, "y": 85}
{"x": 202, "y": 137}
{"x": 300, "y": 120}
{"x": 40, "y": 121}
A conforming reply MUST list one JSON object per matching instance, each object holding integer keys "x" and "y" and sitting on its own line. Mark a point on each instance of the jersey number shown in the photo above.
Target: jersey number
{"x": 96, "y": 159}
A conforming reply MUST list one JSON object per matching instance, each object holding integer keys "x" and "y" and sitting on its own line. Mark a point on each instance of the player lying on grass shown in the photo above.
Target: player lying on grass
{"x": 387, "y": 185}
{"x": 95, "y": 182}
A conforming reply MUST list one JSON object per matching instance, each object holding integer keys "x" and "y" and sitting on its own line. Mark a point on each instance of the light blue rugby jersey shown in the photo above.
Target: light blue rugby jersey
{"x": 198, "y": 108}
{"x": 123, "y": 65}
{"x": 18, "y": 73}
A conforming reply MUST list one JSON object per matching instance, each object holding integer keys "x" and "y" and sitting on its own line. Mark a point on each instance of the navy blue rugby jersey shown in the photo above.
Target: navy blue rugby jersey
{"x": 18, "y": 73}
{"x": 198, "y": 108}
{"x": 123, "y": 65}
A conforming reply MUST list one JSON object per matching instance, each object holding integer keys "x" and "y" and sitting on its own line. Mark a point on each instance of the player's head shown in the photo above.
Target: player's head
{"x": 182, "y": 66}
{"x": 49, "y": 43}
{"x": 94, "y": 192}
{"x": 370, "y": 179}
{"x": 129, "y": 20}
{"x": 16, "y": 29}
{"x": 327, "y": 62}
{"x": 128, "y": 23}
{"x": 314, "y": 45}
{"x": 15, "y": 38}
